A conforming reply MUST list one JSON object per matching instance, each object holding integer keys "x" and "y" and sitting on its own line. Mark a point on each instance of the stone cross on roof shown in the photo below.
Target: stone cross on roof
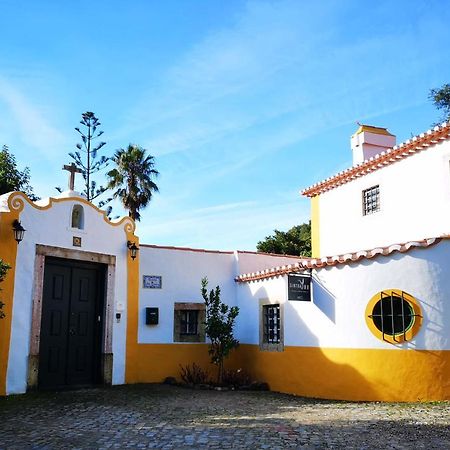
{"x": 73, "y": 169}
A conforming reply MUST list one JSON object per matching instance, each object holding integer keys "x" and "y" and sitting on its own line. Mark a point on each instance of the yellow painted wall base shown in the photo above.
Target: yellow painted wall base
{"x": 154, "y": 362}
{"x": 352, "y": 374}
{"x": 344, "y": 374}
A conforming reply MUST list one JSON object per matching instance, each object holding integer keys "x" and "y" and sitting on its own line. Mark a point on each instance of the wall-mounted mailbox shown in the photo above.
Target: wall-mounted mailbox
{"x": 151, "y": 316}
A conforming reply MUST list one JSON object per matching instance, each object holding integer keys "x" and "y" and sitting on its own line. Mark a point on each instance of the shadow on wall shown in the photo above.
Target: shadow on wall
{"x": 437, "y": 311}
{"x": 306, "y": 371}
{"x": 324, "y": 299}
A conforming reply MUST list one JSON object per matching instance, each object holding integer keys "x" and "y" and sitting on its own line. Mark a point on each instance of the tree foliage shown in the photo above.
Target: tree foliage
{"x": 13, "y": 179}
{"x": 296, "y": 241}
{"x": 132, "y": 179}
{"x": 3, "y": 271}
{"x": 441, "y": 100}
{"x": 87, "y": 158}
{"x": 219, "y": 324}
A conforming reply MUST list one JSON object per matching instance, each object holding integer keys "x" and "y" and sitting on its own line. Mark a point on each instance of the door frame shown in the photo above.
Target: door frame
{"x": 44, "y": 251}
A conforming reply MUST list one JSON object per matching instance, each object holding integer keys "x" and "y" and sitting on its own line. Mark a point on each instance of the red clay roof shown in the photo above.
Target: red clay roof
{"x": 203, "y": 250}
{"x": 412, "y": 146}
{"x": 318, "y": 263}
{"x": 185, "y": 249}
{"x": 276, "y": 255}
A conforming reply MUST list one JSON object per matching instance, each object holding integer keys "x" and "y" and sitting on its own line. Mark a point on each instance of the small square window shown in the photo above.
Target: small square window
{"x": 371, "y": 200}
{"x": 189, "y": 322}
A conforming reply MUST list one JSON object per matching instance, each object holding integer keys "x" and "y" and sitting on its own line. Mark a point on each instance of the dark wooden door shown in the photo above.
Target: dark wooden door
{"x": 71, "y": 325}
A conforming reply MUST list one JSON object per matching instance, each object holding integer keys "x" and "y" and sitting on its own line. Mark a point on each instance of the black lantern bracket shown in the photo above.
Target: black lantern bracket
{"x": 18, "y": 231}
{"x": 133, "y": 249}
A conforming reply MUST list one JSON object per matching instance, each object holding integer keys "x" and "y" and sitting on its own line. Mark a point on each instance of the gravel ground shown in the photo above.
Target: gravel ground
{"x": 169, "y": 417}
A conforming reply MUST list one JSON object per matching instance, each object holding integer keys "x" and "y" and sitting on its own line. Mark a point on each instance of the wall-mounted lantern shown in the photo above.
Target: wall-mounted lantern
{"x": 18, "y": 230}
{"x": 133, "y": 249}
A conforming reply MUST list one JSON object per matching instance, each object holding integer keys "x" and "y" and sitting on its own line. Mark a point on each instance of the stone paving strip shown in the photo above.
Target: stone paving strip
{"x": 170, "y": 417}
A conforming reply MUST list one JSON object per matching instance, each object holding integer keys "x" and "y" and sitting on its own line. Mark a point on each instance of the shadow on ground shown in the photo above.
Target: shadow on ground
{"x": 160, "y": 416}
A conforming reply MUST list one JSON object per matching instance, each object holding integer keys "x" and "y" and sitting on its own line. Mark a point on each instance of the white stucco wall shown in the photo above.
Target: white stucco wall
{"x": 336, "y": 317}
{"x": 249, "y": 295}
{"x": 414, "y": 199}
{"x": 52, "y": 227}
{"x": 182, "y": 271}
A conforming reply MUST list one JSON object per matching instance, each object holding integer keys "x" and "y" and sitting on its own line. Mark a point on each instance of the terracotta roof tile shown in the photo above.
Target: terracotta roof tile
{"x": 385, "y": 158}
{"x": 186, "y": 249}
{"x": 317, "y": 263}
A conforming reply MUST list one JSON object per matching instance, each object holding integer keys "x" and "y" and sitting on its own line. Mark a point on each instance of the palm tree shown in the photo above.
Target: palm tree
{"x": 132, "y": 178}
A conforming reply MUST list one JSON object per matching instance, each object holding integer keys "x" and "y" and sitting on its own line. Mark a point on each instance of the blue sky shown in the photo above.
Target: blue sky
{"x": 242, "y": 103}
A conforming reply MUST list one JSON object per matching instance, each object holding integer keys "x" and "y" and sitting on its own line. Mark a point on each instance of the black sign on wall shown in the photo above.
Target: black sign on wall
{"x": 299, "y": 287}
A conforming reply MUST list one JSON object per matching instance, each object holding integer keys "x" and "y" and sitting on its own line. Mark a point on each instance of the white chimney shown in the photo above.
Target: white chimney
{"x": 368, "y": 141}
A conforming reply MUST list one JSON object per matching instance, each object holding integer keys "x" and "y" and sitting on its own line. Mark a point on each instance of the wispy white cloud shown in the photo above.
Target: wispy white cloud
{"x": 237, "y": 224}
{"x": 276, "y": 64}
{"x": 29, "y": 119}
{"x": 260, "y": 87}
{"x": 264, "y": 88}
{"x": 265, "y": 39}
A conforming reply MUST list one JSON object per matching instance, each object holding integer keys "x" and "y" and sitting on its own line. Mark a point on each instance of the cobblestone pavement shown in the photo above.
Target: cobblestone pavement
{"x": 160, "y": 416}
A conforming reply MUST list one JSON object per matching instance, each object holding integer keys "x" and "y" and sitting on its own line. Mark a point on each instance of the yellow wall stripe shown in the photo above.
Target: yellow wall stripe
{"x": 352, "y": 374}
{"x": 132, "y": 310}
{"x": 8, "y": 253}
{"x": 315, "y": 226}
{"x": 332, "y": 373}
{"x": 152, "y": 363}
{"x": 344, "y": 374}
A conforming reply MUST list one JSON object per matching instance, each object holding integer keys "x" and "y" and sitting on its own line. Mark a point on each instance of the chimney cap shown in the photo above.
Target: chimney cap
{"x": 371, "y": 129}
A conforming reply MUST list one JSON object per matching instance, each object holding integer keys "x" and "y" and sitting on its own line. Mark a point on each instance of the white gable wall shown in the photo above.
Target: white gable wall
{"x": 51, "y": 227}
{"x": 414, "y": 199}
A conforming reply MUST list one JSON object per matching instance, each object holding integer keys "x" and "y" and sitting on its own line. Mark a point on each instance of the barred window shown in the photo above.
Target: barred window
{"x": 394, "y": 316}
{"x": 371, "y": 200}
{"x": 189, "y": 322}
{"x": 271, "y": 316}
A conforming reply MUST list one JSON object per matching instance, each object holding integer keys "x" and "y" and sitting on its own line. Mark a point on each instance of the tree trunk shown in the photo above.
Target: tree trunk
{"x": 220, "y": 372}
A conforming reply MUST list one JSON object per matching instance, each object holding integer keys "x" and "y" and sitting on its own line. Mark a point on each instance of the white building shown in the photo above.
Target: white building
{"x": 390, "y": 195}
{"x": 365, "y": 319}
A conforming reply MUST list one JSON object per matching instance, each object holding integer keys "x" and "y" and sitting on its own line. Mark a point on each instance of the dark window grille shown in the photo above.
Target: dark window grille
{"x": 271, "y": 317}
{"x": 189, "y": 322}
{"x": 393, "y": 315}
{"x": 371, "y": 200}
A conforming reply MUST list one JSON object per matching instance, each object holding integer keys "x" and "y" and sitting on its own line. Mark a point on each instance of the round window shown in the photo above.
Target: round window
{"x": 393, "y": 316}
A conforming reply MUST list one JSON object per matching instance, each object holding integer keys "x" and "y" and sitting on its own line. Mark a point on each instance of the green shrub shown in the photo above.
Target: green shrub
{"x": 219, "y": 326}
{"x": 194, "y": 374}
{"x": 236, "y": 378}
